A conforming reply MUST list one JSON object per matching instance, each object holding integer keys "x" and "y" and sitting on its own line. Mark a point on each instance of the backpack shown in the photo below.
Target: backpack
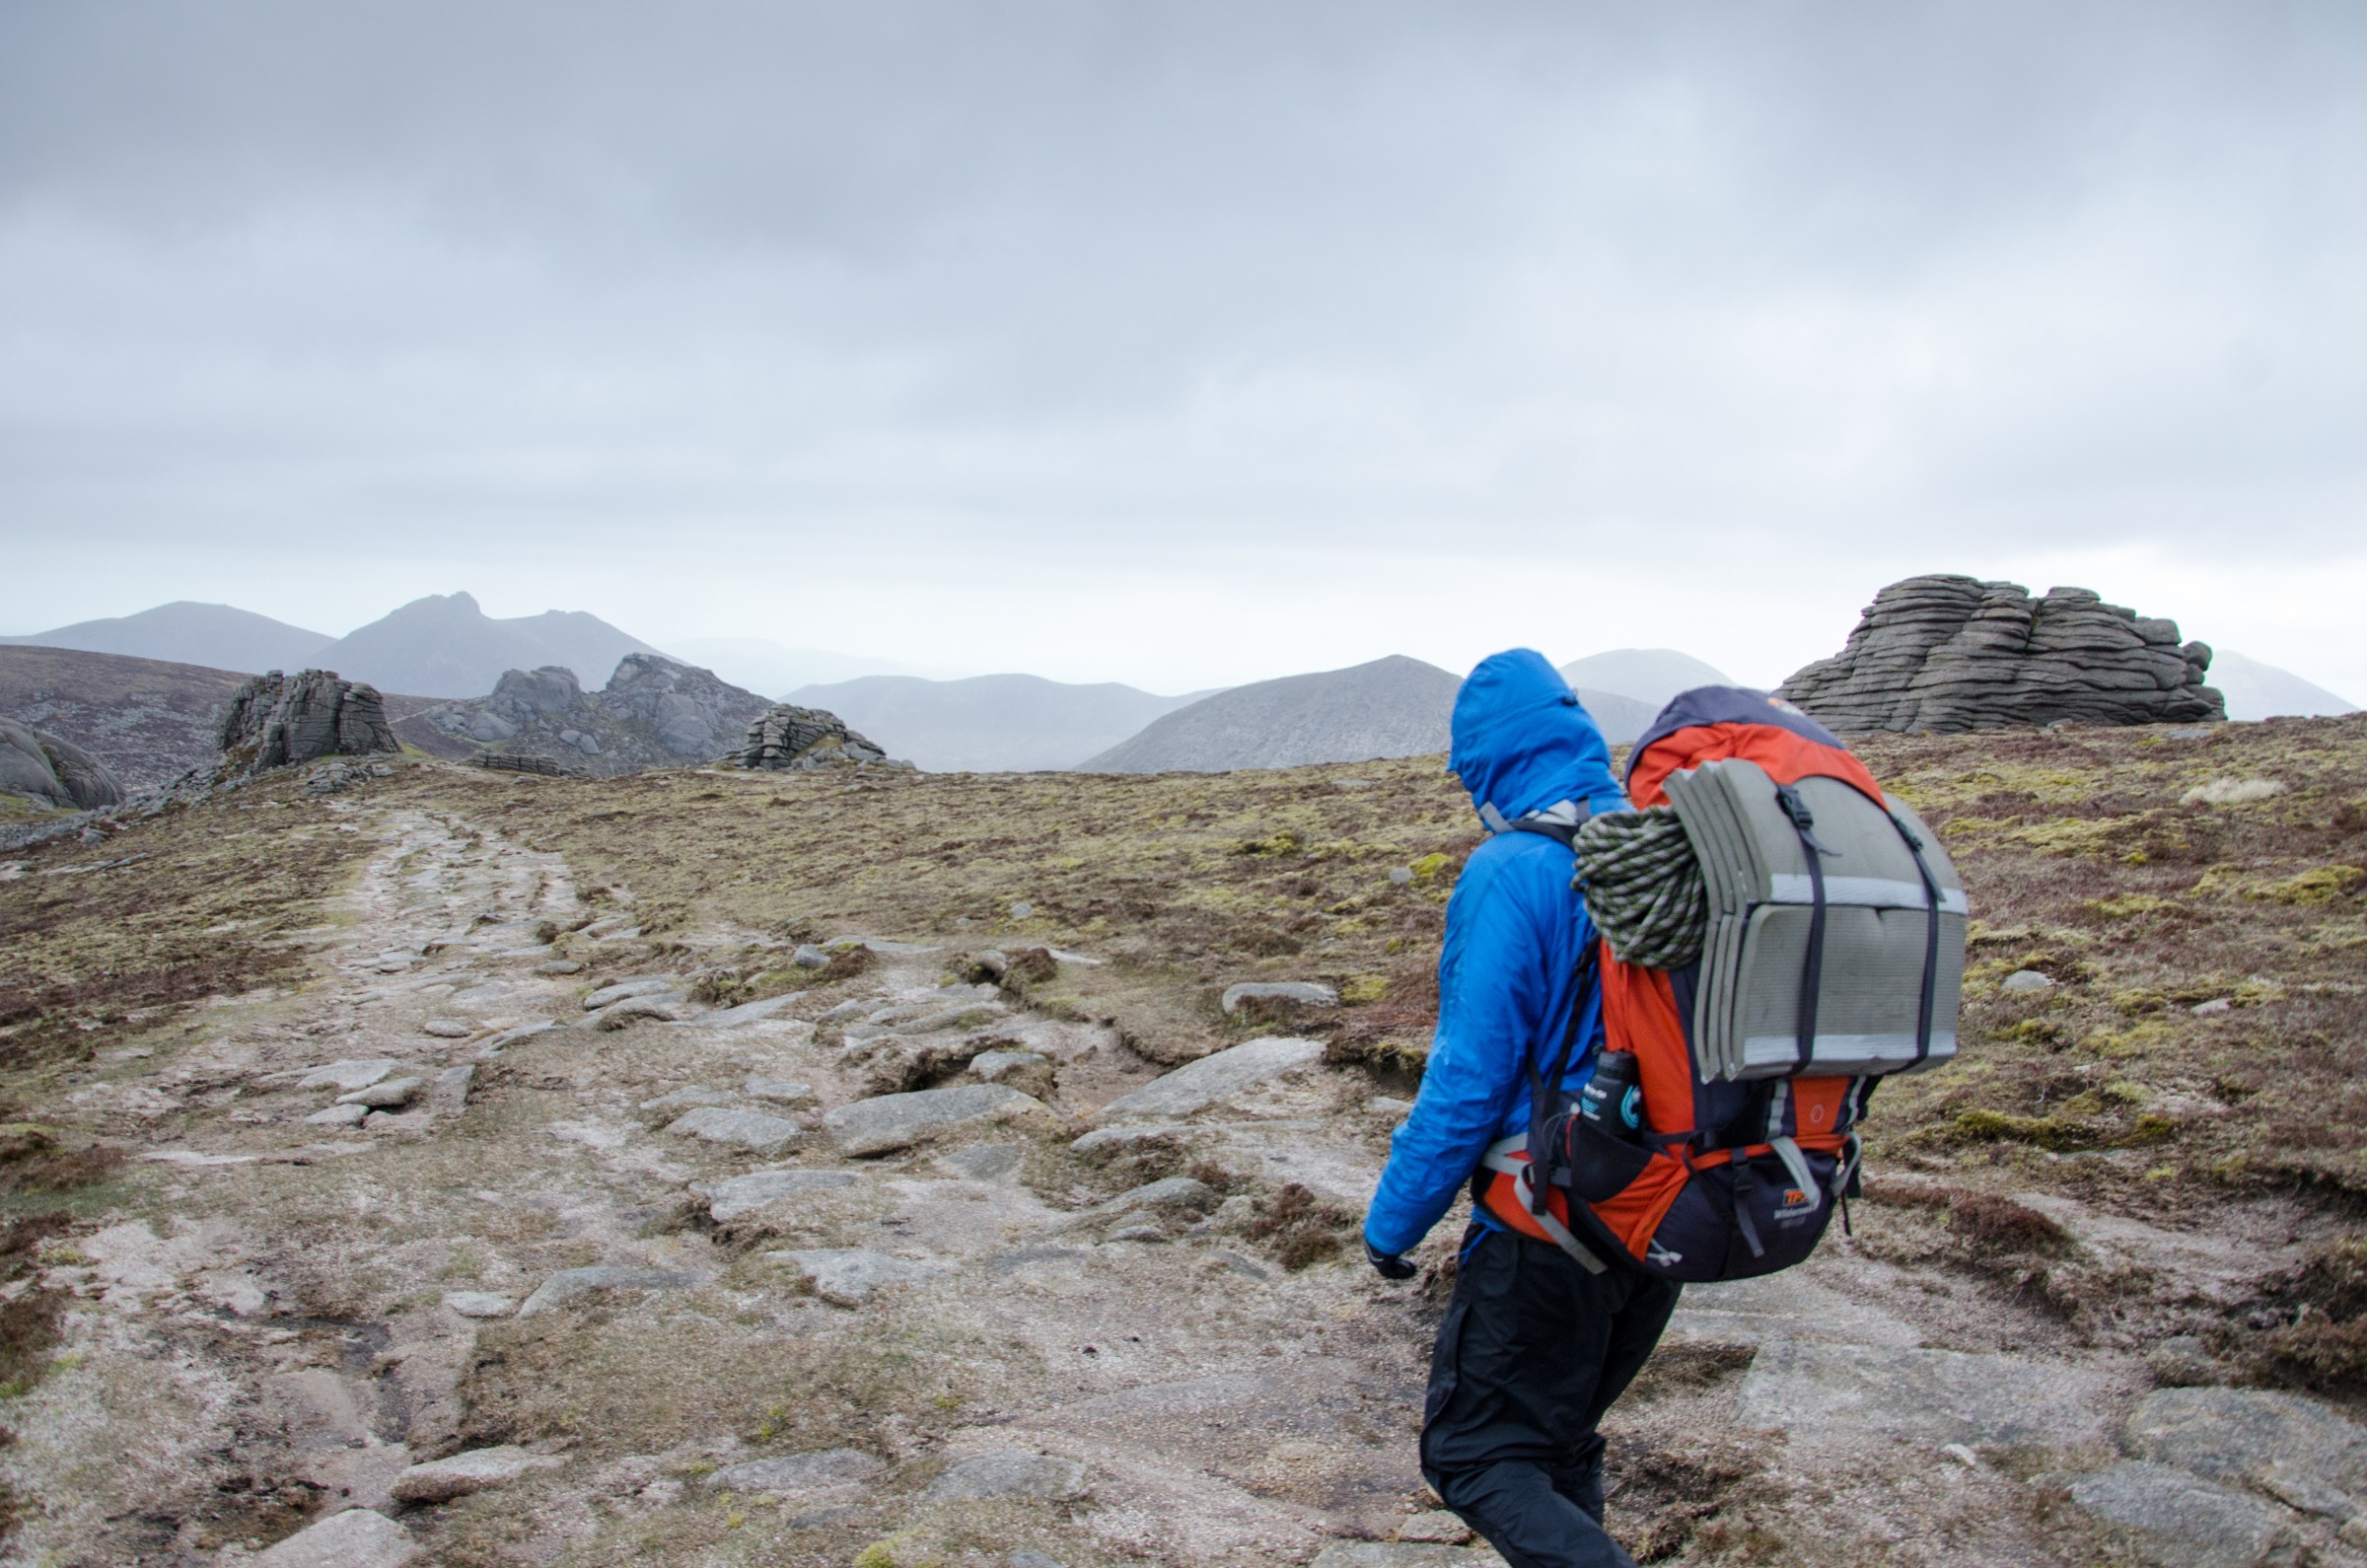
{"x": 1833, "y": 955}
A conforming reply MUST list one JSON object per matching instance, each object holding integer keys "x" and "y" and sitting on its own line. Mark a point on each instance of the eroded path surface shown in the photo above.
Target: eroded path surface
{"x": 496, "y": 1230}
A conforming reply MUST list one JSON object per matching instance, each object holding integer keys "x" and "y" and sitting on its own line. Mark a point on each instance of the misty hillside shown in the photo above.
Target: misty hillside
{"x": 2255, "y": 691}
{"x": 1649, "y": 676}
{"x": 1621, "y": 719}
{"x": 444, "y": 645}
{"x": 213, "y": 636}
{"x": 777, "y": 669}
{"x": 1390, "y": 707}
{"x": 989, "y": 724}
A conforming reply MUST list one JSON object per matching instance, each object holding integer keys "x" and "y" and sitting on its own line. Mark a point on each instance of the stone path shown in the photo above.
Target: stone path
{"x": 515, "y": 1311}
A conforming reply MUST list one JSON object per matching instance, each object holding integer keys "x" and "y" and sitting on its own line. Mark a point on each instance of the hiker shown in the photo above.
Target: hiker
{"x": 1535, "y": 1345}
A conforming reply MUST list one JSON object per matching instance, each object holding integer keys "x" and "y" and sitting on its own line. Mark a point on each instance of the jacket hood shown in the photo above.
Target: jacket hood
{"x": 1523, "y": 741}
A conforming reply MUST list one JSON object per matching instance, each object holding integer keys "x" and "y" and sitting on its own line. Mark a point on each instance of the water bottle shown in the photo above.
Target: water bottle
{"x": 1614, "y": 1099}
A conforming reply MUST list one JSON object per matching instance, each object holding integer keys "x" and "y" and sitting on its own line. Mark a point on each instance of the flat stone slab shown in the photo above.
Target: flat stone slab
{"x": 1304, "y": 993}
{"x": 760, "y": 1189}
{"x": 2293, "y": 1448}
{"x": 640, "y": 985}
{"x": 479, "y": 1303}
{"x": 569, "y": 1284}
{"x": 1933, "y": 1396}
{"x": 446, "y": 1028}
{"x": 390, "y": 1094}
{"x": 339, "y": 1116}
{"x": 686, "y": 1097}
{"x": 1195, "y": 1086}
{"x": 442, "y": 1481}
{"x": 791, "y": 1473}
{"x": 850, "y": 1276}
{"x": 749, "y": 1011}
{"x": 355, "y": 1538}
{"x": 1011, "y": 1472}
{"x": 348, "y": 1074}
{"x": 984, "y": 1161}
{"x": 511, "y": 1037}
{"x": 1401, "y": 1554}
{"x": 1171, "y": 1192}
{"x": 780, "y": 1090}
{"x": 745, "y": 1129}
{"x": 2180, "y": 1521}
{"x": 893, "y": 1121}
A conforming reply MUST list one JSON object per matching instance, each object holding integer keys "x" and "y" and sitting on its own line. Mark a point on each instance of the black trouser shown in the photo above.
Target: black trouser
{"x": 1533, "y": 1351}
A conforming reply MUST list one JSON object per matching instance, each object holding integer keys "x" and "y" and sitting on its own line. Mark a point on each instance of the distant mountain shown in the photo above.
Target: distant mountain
{"x": 762, "y": 665}
{"x": 1622, "y": 720}
{"x": 2255, "y": 691}
{"x": 1649, "y": 676}
{"x": 989, "y": 724}
{"x": 148, "y": 721}
{"x": 214, "y": 636}
{"x": 1392, "y": 707}
{"x": 444, "y": 645}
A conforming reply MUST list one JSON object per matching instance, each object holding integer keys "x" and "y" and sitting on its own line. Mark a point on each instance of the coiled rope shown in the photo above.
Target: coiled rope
{"x": 1643, "y": 886}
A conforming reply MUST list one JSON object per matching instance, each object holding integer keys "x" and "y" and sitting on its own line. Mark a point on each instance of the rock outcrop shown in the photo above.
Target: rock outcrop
{"x": 1943, "y": 653}
{"x": 277, "y": 720}
{"x": 653, "y": 713}
{"x": 787, "y": 737}
{"x": 52, "y": 773}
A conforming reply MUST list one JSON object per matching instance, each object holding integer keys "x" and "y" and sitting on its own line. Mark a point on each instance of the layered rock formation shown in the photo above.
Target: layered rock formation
{"x": 277, "y": 720}
{"x": 653, "y": 713}
{"x": 1944, "y": 653}
{"x": 790, "y": 738}
{"x": 52, "y": 773}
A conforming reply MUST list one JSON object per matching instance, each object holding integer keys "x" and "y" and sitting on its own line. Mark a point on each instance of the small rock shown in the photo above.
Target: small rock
{"x": 348, "y": 1074}
{"x": 511, "y": 1037}
{"x": 392, "y": 1095}
{"x": 340, "y": 1115}
{"x": 442, "y": 1481}
{"x": 1138, "y": 1232}
{"x": 745, "y": 1129}
{"x": 450, "y": 1093}
{"x": 759, "y": 1189}
{"x": 446, "y": 1028}
{"x": 796, "y": 1472}
{"x": 1962, "y": 1454}
{"x": 684, "y": 1098}
{"x": 479, "y": 1304}
{"x": 850, "y": 1276}
{"x": 1390, "y": 1106}
{"x": 1195, "y": 1086}
{"x": 2212, "y": 1008}
{"x": 1234, "y": 1213}
{"x": 992, "y": 1066}
{"x": 892, "y": 1121}
{"x": 810, "y": 957}
{"x": 616, "y": 1015}
{"x": 1437, "y": 1527}
{"x": 780, "y": 1089}
{"x": 570, "y": 1283}
{"x": 642, "y": 985}
{"x": 355, "y": 1538}
{"x": 1401, "y": 875}
{"x": 2178, "y": 1520}
{"x": 2026, "y": 980}
{"x": 1011, "y": 1472}
{"x": 1304, "y": 993}
{"x": 2182, "y": 1362}
{"x": 559, "y": 967}
{"x": 1023, "y": 911}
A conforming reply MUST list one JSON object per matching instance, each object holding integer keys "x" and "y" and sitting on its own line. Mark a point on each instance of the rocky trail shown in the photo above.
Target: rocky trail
{"x": 472, "y": 1243}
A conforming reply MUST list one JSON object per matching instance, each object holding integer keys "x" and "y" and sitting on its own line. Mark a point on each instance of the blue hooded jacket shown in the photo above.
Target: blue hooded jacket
{"x": 1506, "y": 975}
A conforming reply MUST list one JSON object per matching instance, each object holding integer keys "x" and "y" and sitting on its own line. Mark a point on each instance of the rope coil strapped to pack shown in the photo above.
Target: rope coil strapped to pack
{"x": 1643, "y": 886}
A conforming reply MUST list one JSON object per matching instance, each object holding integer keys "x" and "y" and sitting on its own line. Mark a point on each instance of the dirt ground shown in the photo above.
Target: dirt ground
{"x": 642, "y": 1251}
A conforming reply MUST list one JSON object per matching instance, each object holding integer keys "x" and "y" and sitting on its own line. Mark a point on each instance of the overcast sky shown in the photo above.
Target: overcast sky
{"x": 1188, "y": 343}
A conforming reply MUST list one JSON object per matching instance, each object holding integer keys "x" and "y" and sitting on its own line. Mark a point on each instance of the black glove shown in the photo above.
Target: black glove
{"x": 1388, "y": 1265}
